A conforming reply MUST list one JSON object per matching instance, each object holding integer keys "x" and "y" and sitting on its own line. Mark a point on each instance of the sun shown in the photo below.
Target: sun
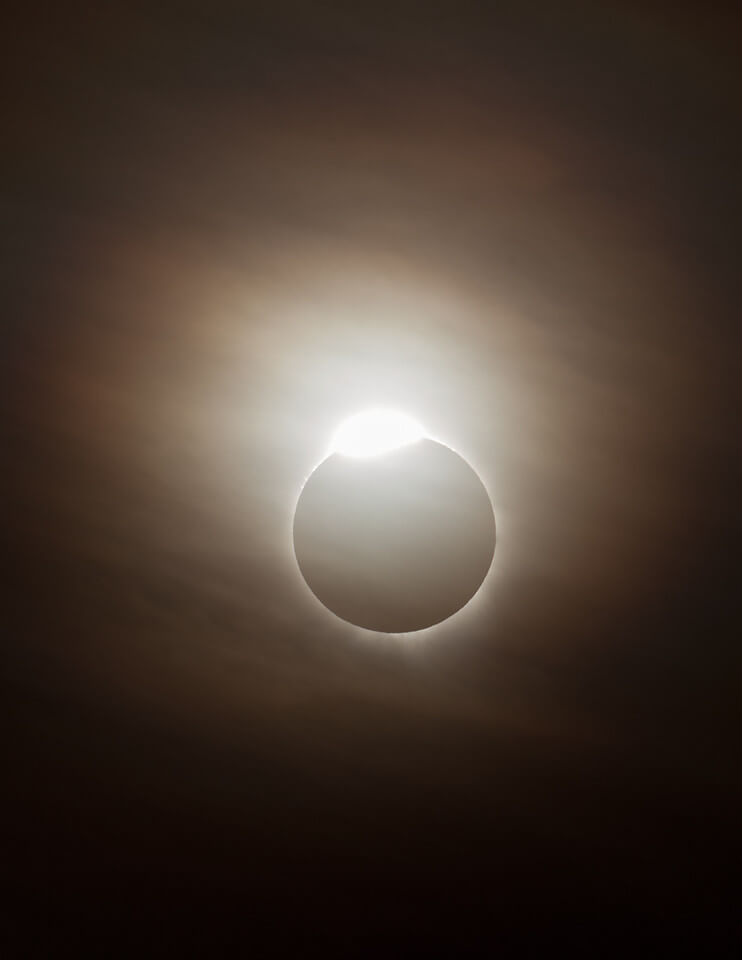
{"x": 374, "y": 432}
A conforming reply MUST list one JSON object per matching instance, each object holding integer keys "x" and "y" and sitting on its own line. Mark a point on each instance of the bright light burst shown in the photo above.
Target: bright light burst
{"x": 374, "y": 432}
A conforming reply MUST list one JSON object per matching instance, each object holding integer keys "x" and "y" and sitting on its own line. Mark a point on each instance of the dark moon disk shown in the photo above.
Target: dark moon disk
{"x": 398, "y": 542}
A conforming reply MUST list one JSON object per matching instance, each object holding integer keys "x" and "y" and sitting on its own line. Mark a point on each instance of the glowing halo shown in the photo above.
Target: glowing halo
{"x": 374, "y": 432}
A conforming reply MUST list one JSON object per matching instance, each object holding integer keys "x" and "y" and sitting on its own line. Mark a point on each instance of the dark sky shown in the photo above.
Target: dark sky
{"x": 228, "y": 226}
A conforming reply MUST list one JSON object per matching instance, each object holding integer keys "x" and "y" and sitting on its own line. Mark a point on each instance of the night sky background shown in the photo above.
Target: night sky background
{"x": 225, "y": 228}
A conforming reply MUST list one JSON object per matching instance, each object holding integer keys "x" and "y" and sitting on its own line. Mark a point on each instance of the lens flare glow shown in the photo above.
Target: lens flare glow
{"x": 374, "y": 432}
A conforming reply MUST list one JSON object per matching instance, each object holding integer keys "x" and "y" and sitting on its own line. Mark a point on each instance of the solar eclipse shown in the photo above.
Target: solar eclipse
{"x": 393, "y": 531}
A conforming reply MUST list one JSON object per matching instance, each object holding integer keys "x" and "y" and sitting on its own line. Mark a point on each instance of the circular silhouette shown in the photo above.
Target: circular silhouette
{"x": 398, "y": 542}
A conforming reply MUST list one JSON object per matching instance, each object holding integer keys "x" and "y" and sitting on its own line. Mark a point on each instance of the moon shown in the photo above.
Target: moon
{"x": 393, "y": 531}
